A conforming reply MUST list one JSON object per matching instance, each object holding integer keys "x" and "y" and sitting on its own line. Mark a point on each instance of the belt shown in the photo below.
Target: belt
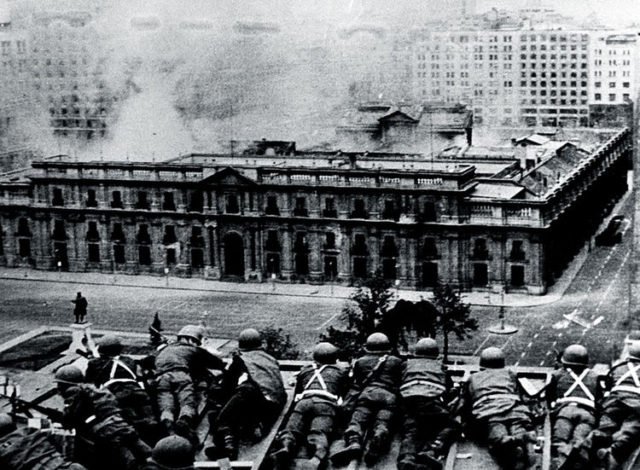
{"x": 626, "y": 388}
{"x": 411, "y": 383}
{"x": 113, "y": 381}
{"x": 578, "y": 401}
{"x": 493, "y": 396}
{"x": 318, "y": 394}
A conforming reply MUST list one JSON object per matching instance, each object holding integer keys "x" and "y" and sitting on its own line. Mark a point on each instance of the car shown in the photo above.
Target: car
{"x": 611, "y": 235}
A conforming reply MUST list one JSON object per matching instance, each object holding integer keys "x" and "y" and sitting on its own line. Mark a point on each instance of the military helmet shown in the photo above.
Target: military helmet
{"x": 173, "y": 452}
{"x": 6, "y": 424}
{"x": 634, "y": 350}
{"x": 110, "y": 345}
{"x": 427, "y": 347}
{"x": 70, "y": 375}
{"x": 249, "y": 339}
{"x": 325, "y": 353}
{"x": 492, "y": 358}
{"x": 377, "y": 342}
{"x": 194, "y": 332}
{"x": 575, "y": 355}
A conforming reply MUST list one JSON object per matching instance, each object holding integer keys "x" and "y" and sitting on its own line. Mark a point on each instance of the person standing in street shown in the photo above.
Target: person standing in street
{"x": 80, "y": 310}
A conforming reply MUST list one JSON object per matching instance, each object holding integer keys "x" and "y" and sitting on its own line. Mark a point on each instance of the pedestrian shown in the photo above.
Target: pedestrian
{"x": 618, "y": 431}
{"x": 255, "y": 397}
{"x": 80, "y": 309}
{"x": 25, "y": 448}
{"x": 374, "y": 386}
{"x": 319, "y": 390}
{"x": 96, "y": 418}
{"x": 119, "y": 374}
{"x": 573, "y": 394}
{"x": 428, "y": 427}
{"x": 493, "y": 407}
{"x": 176, "y": 365}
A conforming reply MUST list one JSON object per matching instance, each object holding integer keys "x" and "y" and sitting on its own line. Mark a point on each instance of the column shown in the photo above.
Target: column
{"x": 131, "y": 246}
{"x": 287, "y": 253}
{"x": 344, "y": 258}
{"x": 315, "y": 255}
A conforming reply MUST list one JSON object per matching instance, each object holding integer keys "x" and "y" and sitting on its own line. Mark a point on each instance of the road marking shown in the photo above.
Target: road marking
{"x": 529, "y": 345}
{"x": 536, "y": 335}
{"x": 329, "y": 320}
{"x": 477, "y": 351}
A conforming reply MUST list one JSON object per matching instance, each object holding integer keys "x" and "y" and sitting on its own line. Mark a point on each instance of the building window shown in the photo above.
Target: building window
{"x": 597, "y": 97}
{"x": 143, "y": 201}
{"x": 429, "y": 214}
{"x": 92, "y": 232}
{"x": 389, "y": 211}
{"x": 169, "y": 237}
{"x": 272, "y": 206}
{"x": 91, "y": 198}
{"x": 331, "y": 267}
{"x": 232, "y": 204}
{"x": 517, "y": 252}
{"x": 612, "y": 97}
{"x": 330, "y": 241}
{"x": 301, "y": 207}
{"x": 23, "y": 227}
{"x": 119, "y": 254}
{"x": 57, "y": 200}
{"x": 517, "y": 275}
{"x": 359, "y": 211}
{"x": 272, "y": 249}
{"x": 24, "y": 247}
{"x": 144, "y": 255}
{"x": 94, "y": 252}
{"x": 429, "y": 250}
{"x": 480, "y": 275}
{"x": 168, "y": 204}
{"x": 59, "y": 232}
{"x": 359, "y": 254}
{"x": 429, "y": 274}
{"x": 301, "y": 254}
{"x": 196, "y": 202}
{"x": 480, "y": 249}
{"x": 389, "y": 254}
{"x": 170, "y": 256}
{"x": 143, "y": 237}
{"x": 117, "y": 235}
{"x": 329, "y": 208}
{"x": 116, "y": 200}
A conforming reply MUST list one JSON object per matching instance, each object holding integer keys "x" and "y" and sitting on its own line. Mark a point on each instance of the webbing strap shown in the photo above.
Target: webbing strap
{"x": 632, "y": 372}
{"x": 578, "y": 382}
{"x": 317, "y": 375}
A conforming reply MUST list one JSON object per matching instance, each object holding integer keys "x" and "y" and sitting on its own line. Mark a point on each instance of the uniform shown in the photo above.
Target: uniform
{"x": 31, "y": 449}
{"x": 95, "y": 416}
{"x": 80, "y": 309}
{"x": 118, "y": 375}
{"x": 374, "y": 390}
{"x": 176, "y": 364}
{"x": 620, "y": 419}
{"x": 494, "y": 407}
{"x": 428, "y": 428}
{"x": 319, "y": 388}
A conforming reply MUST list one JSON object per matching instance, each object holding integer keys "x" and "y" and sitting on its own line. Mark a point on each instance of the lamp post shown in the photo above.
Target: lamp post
{"x": 166, "y": 274}
{"x": 273, "y": 273}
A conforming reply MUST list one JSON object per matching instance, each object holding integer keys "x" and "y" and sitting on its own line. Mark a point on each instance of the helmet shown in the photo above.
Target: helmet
{"x": 110, "y": 345}
{"x": 427, "y": 347}
{"x": 173, "y": 452}
{"x": 249, "y": 339}
{"x": 69, "y": 375}
{"x": 6, "y": 424}
{"x": 492, "y": 358}
{"x": 634, "y": 350}
{"x": 325, "y": 353}
{"x": 377, "y": 342}
{"x": 575, "y": 355}
{"x": 192, "y": 331}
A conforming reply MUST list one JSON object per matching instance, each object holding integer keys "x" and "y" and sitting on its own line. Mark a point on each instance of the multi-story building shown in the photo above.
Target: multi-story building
{"x": 275, "y": 212}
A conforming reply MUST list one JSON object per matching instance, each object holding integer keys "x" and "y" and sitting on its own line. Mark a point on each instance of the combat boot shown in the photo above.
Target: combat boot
{"x": 281, "y": 457}
{"x": 351, "y": 451}
{"x": 434, "y": 456}
{"x": 374, "y": 450}
{"x": 576, "y": 457}
{"x": 230, "y": 446}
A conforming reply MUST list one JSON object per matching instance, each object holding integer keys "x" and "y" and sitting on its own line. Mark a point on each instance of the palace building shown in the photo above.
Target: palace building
{"x": 477, "y": 219}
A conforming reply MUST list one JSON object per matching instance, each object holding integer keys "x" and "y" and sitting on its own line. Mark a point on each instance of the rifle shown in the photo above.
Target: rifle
{"x": 19, "y": 406}
{"x": 159, "y": 333}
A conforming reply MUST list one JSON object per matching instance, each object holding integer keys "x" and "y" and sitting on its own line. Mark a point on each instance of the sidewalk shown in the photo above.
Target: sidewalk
{"x": 281, "y": 289}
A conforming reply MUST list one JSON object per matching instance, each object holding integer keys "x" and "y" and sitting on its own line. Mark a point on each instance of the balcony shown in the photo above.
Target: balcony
{"x": 359, "y": 214}
{"x": 300, "y": 212}
{"x": 330, "y": 213}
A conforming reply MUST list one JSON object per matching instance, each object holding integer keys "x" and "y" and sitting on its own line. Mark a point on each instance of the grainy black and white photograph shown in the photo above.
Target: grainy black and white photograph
{"x": 319, "y": 235}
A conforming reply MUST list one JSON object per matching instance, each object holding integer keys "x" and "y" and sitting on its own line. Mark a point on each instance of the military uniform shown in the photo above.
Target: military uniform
{"x": 31, "y": 449}
{"x": 176, "y": 364}
{"x": 118, "y": 375}
{"x": 572, "y": 395}
{"x": 319, "y": 389}
{"x": 620, "y": 419}
{"x": 95, "y": 416}
{"x": 256, "y": 395}
{"x": 428, "y": 428}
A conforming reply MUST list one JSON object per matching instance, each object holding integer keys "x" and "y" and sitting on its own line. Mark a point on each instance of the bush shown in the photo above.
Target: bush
{"x": 278, "y": 343}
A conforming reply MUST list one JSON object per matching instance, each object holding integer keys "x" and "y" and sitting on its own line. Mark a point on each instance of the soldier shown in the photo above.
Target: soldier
{"x": 118, "y": 374}
{"x": 176, "y": 364}
{"x": 618, "y": 432}
{"x": 428, "y": 426}
{"x": 375, "y": 380}
{"x": 491, "y": 399}
{"x": 173, "y": 452}
{"x": 256, "y": 396}
{"x": 29, "y": 449}
{"x": 95, "y": 416}
{"x": 319, "y": 388}
{"x": 573, "y": 394}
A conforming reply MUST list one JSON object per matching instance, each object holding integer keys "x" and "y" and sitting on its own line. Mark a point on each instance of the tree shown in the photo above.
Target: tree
{"x": 362, "y": 314}
{"x": 454, "y": 315}
{"x": 278, "y": 344}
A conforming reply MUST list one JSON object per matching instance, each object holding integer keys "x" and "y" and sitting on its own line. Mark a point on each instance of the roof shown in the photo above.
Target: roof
{"x": 535, "y": 139}
{"x": 497, "y": 190}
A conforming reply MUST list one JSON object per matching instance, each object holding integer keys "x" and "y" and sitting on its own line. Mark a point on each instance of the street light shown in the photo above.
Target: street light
{"x": 273, "y": 273}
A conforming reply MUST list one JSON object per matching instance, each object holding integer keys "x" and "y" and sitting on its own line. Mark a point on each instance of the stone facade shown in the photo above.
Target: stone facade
{"x": 309, "y": 217}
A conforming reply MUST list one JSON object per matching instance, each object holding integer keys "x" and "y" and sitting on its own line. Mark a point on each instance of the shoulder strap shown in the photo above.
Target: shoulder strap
{"x": 632, "y": 372}
{"x": 578, "y": 382}
{"x": 371, "y": 375}
{"x": 317, "y": 375}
